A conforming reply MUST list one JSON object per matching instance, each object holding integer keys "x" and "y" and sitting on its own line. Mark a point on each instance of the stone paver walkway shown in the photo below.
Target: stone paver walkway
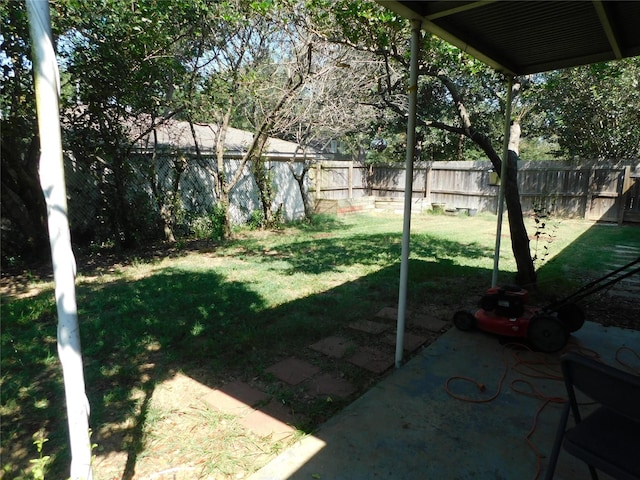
{"x": 622, "y": 255}
{"x": 334, "y": 347}
{"x": 293, "y": 371}
{"x": 370, "y": 346}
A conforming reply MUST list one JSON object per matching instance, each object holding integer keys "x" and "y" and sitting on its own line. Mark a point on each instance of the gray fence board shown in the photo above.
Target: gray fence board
{"x": 591, "y": 190}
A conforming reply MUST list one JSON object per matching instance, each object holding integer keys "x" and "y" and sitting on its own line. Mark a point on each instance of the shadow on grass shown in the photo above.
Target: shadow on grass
{"x": 325, "y": 254}
{"x": 135, "y": 334}
{"x": 130, "y": 332}
{"x": 589, "y": 256}
{"x": 598, "y": 251}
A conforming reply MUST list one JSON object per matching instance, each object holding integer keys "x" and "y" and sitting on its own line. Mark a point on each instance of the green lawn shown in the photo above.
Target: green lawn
{"x": 229, "y": 310}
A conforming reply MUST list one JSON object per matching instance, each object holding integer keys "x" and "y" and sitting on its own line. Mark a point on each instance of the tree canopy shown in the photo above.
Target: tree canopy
{"x": 312, "y": 71}
{"x": 593, "y": 110}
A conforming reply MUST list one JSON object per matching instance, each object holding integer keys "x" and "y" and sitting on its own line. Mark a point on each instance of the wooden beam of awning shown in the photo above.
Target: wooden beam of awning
{"x": 608, "y": 28}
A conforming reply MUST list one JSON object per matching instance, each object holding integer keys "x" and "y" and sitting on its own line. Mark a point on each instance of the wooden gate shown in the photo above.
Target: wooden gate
{"x": 631, "y": 198}
{"x": 615, "y": 196}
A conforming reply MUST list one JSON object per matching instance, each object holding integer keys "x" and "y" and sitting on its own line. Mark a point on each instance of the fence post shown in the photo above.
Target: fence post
{"x": 626, "y": 187}
{"x": 588, "y": 195}
{"x": 350, "y": 179}
{"x": 318, "y": 179}
{"x": 427, "y": 183}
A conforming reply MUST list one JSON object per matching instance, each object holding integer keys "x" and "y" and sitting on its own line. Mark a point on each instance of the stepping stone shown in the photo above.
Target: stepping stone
{"x": 236, "y": 398}
{"x": 628, "y": 287}
{"x": 326, "y": 384}
{"x": 411, "y": 341}
{"x": 332, "y": 346}
{"x": 293, "y": 371}
{"x": 276, "y": 409}
{"x": 623, "y": 293}
{"x": 428, "y": 323}
{"x": 390, "y": 313}
{"x": 372, "y": 359}
{"x": 626, "y": 250}
{"x": 264, "y": 425}
{"x": 368, "y": 326}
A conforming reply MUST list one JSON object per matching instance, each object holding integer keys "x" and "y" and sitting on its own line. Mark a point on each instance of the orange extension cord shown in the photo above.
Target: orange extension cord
{"x": 542, "y": 366}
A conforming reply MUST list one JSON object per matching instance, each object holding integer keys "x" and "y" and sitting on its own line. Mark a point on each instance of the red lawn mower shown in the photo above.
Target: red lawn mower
{"x": 505, "y": 311}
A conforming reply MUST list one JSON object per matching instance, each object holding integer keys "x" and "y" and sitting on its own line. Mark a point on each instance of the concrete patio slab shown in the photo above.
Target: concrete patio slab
{"x": 409, "y": 427}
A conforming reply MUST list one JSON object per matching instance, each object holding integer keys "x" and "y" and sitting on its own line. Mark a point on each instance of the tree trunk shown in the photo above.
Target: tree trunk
{"x": 222, "y": 185}
{"x": 526, "y": 275}
{"x": 519, "y": 237}
{"x": 172, "y": 202}
{"x": 261, "y": 177}
{"x": 304, "y": 193}
{"x": 163, "y": 200}
{"x": 116, "y": 186}
{"x": 124, "y": 231}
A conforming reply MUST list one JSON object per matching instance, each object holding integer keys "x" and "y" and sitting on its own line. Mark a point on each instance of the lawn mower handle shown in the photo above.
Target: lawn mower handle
{"x": 593, "y": 286}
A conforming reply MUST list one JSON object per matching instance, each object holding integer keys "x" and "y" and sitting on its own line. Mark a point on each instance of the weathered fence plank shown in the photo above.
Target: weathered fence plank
{"x": 590, "y": 190}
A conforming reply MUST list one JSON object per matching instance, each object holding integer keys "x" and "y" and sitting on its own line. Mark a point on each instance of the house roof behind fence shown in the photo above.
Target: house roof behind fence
{"x": 178, "y": 135}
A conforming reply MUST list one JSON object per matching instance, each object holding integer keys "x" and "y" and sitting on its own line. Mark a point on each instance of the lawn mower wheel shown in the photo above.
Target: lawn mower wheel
{"x": 547, "y": 334}
{"x": 572, "y": 316}
{"x": 464, "y": 320}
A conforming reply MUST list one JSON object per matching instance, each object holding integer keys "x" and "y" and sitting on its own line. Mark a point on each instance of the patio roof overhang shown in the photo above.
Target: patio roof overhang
{"x": 522, "y": 37}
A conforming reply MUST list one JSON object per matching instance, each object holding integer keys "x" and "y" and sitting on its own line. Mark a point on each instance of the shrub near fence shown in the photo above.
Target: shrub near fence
{"x": 591, "y": 190}
{"x": 152, "y": 177}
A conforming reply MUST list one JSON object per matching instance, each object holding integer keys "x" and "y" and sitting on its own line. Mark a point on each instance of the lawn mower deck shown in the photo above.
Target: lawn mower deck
{"x": 504, "y": 311}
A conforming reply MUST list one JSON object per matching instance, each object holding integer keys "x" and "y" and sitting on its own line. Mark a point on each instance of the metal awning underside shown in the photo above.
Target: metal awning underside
{"x": 522, "y": 37}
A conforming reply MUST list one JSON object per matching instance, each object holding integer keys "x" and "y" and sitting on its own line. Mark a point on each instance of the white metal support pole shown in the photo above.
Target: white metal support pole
{"x": 408, "y": 188}
{"x": 503, "y": 181}
{"x": 51, "y": 172}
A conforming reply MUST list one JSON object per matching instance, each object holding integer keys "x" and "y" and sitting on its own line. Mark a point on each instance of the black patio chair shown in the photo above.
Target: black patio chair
{"x": 608, "y": 438}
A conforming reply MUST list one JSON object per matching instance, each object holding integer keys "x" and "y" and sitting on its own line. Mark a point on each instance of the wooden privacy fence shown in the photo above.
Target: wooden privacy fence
{"x": 591, "y": 190}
